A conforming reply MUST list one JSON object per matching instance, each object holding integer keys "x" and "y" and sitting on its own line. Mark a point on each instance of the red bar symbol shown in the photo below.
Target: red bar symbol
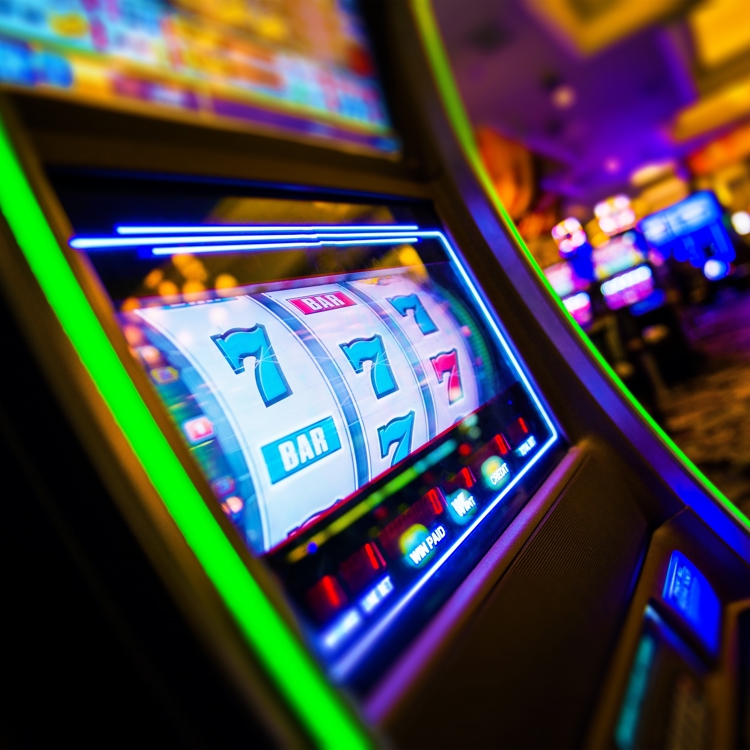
{"x": 316, "y": 303}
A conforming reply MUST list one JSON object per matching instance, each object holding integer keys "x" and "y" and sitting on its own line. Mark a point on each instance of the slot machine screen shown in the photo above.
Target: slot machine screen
{"x": 353, "y": 404}
{"x": 684, "y": 218}
{"x": 563, "y": 279}
{"x": 628, "y": 288}
{"x": 300, "y": 68}
{"x": 693, "y": 230}
{"x": 570, "y": 288}
{"x": 617, "y": 255}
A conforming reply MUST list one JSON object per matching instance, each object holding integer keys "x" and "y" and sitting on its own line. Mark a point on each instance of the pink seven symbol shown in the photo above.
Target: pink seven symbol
{"x": 446, "y": 363}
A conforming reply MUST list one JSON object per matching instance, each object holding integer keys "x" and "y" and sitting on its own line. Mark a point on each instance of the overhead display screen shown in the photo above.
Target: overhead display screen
{"x": 351, "y": 400}
{"x": 297, "y": 67}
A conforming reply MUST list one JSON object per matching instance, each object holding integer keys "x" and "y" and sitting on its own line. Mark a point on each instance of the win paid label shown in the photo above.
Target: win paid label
{"x": 290, "y": 454}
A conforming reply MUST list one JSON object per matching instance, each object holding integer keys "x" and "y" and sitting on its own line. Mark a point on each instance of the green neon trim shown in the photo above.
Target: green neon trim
{"x": 317, "y": 704}
{"x": 457, "y": 116}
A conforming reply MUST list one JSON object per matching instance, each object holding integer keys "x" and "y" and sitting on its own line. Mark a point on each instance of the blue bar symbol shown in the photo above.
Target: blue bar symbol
{"x": 290, "y": 454}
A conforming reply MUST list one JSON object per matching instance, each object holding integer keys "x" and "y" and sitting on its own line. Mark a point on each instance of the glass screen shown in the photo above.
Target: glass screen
{"x": 297, "y": 66}
{"x": 349, "y": 396}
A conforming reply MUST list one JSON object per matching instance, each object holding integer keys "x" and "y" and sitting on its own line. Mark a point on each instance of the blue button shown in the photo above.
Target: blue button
{"x": 688, "y": 592}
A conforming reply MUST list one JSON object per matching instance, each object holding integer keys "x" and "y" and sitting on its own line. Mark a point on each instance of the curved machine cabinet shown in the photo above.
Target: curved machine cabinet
{"x": 309, "y": 454}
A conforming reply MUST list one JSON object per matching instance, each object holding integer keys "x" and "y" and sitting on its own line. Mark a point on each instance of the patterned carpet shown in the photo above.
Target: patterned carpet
{"x": 709, "y": 417}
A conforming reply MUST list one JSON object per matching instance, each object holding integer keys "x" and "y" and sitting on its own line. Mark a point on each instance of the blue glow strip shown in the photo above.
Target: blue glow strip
{"x": 279, "y": 245}
{"x": 100, "y": 243}
{"x": 344, "y": 666}
{"x": 230, "y": 229}
{"x": 626, "y": 730}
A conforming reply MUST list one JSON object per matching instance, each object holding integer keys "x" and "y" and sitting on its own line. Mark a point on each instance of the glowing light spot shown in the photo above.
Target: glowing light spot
{"x": 233, "y": 504}
{"x": 131, "y": 303}
{"x": 193, "y": 287}
{"x": 183, "y": 260}
{"x": 153, "y": 279}
{"x": 134, "y": 335}
{"x": 741, "y": 222}
{"x": 715, "y": 269}
{"x": 563, "y": 97}
{"x": 225, "y": 281}
{"x": 167, "y": 288}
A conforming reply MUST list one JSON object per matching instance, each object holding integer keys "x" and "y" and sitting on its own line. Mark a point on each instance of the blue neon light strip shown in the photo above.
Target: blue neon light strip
{"x": 252, "y": 247}
{"x": 105, "y": 243}
{"x": 255, "y": 228}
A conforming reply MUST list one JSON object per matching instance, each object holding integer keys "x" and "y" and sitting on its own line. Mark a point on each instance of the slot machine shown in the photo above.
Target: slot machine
{"x": 572, "y": 290}
{"x": 693, "y": 230}
{"x": 307, "y": 453}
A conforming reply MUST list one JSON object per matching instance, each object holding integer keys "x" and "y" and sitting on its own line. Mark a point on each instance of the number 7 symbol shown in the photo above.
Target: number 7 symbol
{"x": 447, "y": 363}
{"x": 399, "y": 431}
{"x": 422, "y": 318}
{"x": 238, "y": 344}
{"x": 372, "y": 350}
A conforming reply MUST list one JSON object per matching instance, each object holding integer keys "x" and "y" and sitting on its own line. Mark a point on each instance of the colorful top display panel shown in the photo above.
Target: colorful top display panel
{"x": 351, "y": 400}
{"x": 298, "y": 67}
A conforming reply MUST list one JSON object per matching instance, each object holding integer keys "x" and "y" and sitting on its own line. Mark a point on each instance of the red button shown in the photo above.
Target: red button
{"x": 325, "y": 598}
{"x": 464, "y": 480}
{"x": 362, "y": 567}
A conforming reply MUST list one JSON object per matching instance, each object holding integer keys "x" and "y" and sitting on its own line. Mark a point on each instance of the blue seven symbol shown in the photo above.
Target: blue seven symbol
{"x": 372, "y": 350}
{"x": 399, "y": 431}
{"x": 422, "y": 318}
{"x": 238, "y": 344}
